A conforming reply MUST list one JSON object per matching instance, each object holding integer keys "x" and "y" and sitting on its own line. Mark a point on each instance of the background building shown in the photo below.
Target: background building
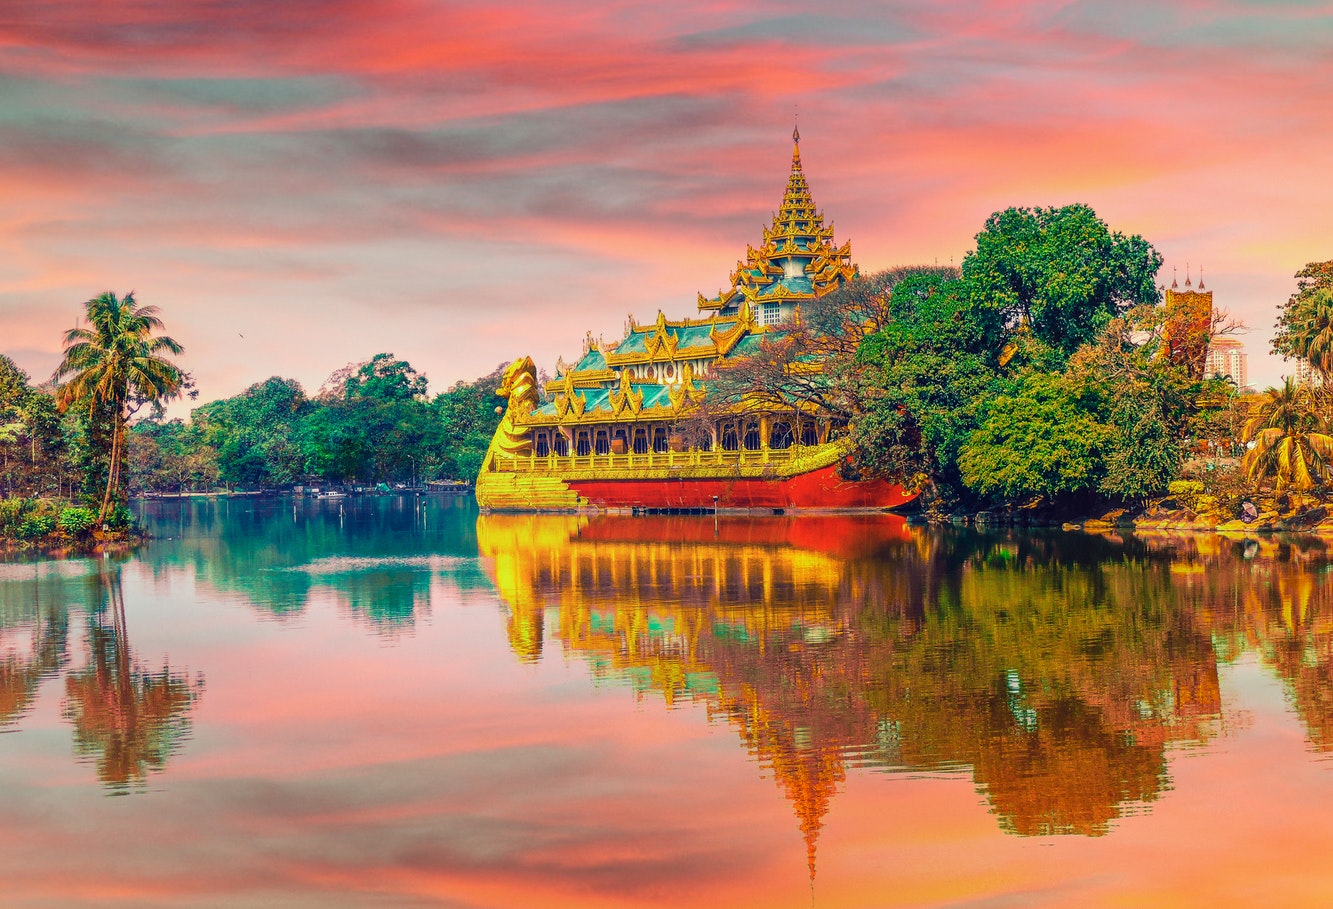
{"x": 1304, "y": 373}
{"x": 1227, "y": 358}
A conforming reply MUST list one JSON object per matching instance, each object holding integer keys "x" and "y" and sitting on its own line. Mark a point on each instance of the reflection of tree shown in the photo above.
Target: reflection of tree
{"x": 132, "y": 720}
{"x": 388, "y": 599}
{"x": 1056, "y": 668}
{"x": 1275, "y": 596}
{"x": 277, "y": 553}
{"x": 20, "y": 676}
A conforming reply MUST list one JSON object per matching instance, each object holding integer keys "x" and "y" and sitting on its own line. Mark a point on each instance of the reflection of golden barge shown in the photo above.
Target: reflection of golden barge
{"x": 836, "y": 641}
{"x": 610, "y": 433}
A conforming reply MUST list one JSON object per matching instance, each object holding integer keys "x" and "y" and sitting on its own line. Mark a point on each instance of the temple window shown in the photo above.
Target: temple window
{"x": 730, "y": 441}
{"x": 705, "y": 442}
{"x": 602, "y": 442}
{"x": 809, "y": 433}
{"x": 753, "y": 442}
{"x": 561, "y": 445}
{"x": 780, "y": 436}
{"x": 640, "y": 440}
{"x": 543, "y": 446}
{"x": 582, "y": 446}
{"x": 770, "y": 314}
{"x": 660, "y": 439}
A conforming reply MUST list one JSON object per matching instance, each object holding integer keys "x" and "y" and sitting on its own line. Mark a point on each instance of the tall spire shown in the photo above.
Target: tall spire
{"x": 797, "y": 259}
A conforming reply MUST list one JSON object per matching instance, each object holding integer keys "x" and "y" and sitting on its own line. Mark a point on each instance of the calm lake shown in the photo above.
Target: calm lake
{"x": 397, "y": 702}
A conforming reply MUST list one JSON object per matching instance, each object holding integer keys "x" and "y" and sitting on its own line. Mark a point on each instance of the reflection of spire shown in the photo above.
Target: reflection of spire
{"x": 810, "y": 779}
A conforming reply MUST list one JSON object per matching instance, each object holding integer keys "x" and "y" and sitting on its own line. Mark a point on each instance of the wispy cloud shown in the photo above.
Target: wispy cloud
{"x": 476, "y": 181}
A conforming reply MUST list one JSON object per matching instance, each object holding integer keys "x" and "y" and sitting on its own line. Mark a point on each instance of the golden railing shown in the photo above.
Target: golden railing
{"x": 653, "y": 460}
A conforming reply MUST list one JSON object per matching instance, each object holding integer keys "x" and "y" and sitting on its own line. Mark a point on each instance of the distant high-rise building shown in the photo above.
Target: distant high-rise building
{"x": 1227, "y": 359}
{"x": 1305, "y": 374}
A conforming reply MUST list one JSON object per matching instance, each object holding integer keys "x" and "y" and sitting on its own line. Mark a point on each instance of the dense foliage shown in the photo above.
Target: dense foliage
{"x": 1038, "y": 372}
{"x": 42, "y": 451}
{"x": 372, "y": 422}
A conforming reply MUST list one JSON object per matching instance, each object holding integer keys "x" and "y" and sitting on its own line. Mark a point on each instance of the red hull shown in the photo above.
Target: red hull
{"x": 818, "y": 489}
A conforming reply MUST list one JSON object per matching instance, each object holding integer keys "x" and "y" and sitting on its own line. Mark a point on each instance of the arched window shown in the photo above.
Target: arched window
{"x": 602, "y": 444}
{"x": 640, "y": 440}
{"x": 543, "y": 446}
{"x": 809, "y": 434}
{"x": 752, "y": 440}
{"x": 779, "y": 436}
{"x": 659, "y": 439}
{"x": 561, "y": 444}
{"x": 583, "y": 446}
{"x": 730, "y": 441}
{"x": 705, "y": 442}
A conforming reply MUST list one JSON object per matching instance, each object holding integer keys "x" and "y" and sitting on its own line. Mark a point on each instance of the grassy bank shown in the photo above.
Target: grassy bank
{"x": 38, "y": 522}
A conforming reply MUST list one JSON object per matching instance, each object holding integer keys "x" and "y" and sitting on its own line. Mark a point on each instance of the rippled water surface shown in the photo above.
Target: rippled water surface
{"x": 396, "y": 702}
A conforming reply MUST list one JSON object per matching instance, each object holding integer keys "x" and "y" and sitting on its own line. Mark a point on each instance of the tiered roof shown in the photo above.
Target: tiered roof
{"x": 797, "y": 261}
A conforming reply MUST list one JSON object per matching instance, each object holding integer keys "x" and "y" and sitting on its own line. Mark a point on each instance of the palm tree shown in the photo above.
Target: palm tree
{"x": 115, "y": 366}
{"x": 127, "y": 717}
{"x": 1291, "y": 440}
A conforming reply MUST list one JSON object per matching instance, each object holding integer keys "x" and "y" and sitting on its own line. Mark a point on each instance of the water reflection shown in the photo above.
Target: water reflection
{"x": 383, "y": 728}
{"x": 126, "y": 717}
{"x": 1056, "y": 669}
{"x": 376, "y": 556}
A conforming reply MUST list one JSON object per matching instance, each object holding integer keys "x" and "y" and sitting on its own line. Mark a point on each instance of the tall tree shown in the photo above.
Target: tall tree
{"x": 115, "y": 366}
{"x": 1060, "y": 273}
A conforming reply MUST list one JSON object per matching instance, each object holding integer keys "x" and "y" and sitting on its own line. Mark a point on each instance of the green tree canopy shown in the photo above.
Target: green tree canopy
{"x": 1059, "y": 272}
{"x": 1305, "y": 322}
{"x": 385, "y": 378}
{"x": 1034, "y": 442}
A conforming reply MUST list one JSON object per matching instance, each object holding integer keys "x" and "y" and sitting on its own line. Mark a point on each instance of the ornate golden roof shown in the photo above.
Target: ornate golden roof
{"x": 798, "y": 259}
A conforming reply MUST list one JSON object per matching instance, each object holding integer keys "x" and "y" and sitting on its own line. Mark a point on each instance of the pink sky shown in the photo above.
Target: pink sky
{"x": 303, "y": 184}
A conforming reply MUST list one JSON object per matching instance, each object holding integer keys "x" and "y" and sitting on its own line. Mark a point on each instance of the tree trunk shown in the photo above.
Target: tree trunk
{"x": 113, "y": 468}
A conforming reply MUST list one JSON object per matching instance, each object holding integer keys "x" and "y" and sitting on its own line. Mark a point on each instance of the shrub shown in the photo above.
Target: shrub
{"x": 76, "y": 521}
{"x": 1186, "y": 492}
{"x": 11, "y": 516}
{"x": 120, "y": 518}
{"x": 37, "y": 524}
